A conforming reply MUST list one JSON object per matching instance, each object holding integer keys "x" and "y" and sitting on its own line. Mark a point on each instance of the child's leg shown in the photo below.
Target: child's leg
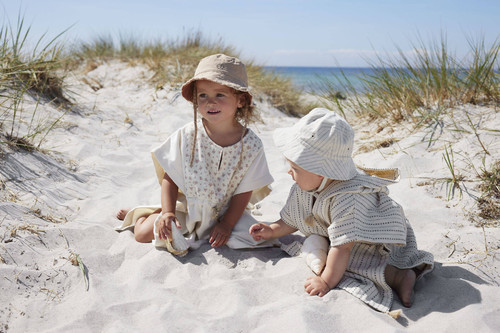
{"x": 143, "y": 229}
{"x": 402, "y": 281}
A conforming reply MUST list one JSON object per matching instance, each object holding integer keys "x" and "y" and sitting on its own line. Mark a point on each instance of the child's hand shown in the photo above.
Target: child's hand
{"x": 315, "y": 285}
{"x": 261, "y": 231}
{"x": 220, "y": 234}
{"x": 165, "y": 225}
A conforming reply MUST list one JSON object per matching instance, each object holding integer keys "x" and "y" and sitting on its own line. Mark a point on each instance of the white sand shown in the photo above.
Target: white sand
{"x": 103, "y": 163}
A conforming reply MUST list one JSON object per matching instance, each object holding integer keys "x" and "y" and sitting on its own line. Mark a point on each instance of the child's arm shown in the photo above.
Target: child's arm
{"x": 267, "y": 231}
{"x": 336, "y": 264}
{"x": 169, "y": 191}
{"x": 221, "y": 231}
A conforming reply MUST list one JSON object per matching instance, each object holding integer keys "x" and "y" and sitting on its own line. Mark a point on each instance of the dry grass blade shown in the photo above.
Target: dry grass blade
{"x": 454, "y": 181}
{"x": 26, "y": 227}
{"x": 471, "y": 124}
{"x": 77, "y": 261}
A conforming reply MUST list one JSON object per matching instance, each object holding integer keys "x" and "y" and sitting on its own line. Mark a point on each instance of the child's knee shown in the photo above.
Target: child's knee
{"x": 143, "y": 231}
{"x": 143, "y": 237}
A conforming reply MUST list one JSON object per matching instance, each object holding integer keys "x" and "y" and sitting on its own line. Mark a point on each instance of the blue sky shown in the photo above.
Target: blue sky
{"x": 272, "y": 32}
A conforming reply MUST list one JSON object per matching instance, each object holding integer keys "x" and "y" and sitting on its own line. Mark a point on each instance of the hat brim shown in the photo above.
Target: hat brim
{"x": 188, "y": 87}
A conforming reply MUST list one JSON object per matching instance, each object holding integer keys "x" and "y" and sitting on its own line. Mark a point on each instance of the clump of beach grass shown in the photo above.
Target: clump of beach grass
{"x": 174, "y": 61}
{"x": 453, "y": 182}
{"x": 27, "y": 72}
{"x": 489, "y": 202}
{"x": 34, "y": 69}
{"x": 412, "y": 87}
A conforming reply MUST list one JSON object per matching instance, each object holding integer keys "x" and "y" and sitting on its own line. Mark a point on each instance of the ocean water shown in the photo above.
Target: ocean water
{"x": 312, "y": 78}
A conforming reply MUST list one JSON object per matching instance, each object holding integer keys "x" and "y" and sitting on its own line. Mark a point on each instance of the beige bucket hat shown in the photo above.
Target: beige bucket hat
{"x": 321, "y": 142}
{"x": 221, "y": 69}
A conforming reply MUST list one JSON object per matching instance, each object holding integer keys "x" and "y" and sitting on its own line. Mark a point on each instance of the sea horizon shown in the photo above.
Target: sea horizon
{"x": 311, "y": 78}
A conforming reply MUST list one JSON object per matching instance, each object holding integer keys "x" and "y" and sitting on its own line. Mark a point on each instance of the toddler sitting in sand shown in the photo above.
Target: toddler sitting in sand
{"x": 209, "y": 170}
{"x": 372, "y": 247}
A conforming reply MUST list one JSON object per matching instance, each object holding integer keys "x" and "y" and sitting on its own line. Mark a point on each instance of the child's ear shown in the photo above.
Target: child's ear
{"x": 242, "y": 100}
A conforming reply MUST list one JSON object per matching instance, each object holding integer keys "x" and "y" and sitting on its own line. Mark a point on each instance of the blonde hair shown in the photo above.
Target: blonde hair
{"x": 244, "y": 115}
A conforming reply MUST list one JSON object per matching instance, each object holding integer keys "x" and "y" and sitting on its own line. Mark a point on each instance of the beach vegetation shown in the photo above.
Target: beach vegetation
{"x": 453, "y": 182}
{"x": 26, "y": 227}
{"x": 28, "y": 72}
{"x": 489, "y": 202}
{"x": 174, "y": 61}
{"x": 412, "y": 86}
{"x": 76, "y": 260}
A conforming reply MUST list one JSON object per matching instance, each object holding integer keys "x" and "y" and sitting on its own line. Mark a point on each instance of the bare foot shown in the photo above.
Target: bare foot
{"x": 121, "y": 213}
{"x": 405, "y": 281}
{"x": 402, "y": 281}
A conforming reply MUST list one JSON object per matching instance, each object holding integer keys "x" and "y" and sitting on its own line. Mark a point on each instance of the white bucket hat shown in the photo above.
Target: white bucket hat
{"x": 321, "y": 142}
{"x": 221, "y": 69}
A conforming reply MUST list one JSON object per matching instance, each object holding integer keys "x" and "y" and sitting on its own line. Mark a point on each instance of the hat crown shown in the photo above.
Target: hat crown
{"x": 221, "y": 69}
{"x": 224, "y": 67}
{"x": 321, "y": 142}
{"x": 328, "y": 134}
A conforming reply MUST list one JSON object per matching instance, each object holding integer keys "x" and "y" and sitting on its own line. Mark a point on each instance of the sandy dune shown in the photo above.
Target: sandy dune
{"x": 59, "y": 208}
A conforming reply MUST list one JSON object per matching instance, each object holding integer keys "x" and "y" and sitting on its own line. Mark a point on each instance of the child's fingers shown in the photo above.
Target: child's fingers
{"x": 213, "y": 238}
{"x": 219, "y": 240}
{"x": 163, "y": 232}
{"x": 256, "y": 231}
{"x": 256, "y": 228}
{"x": 312, "y": 288}
{"x": 309, "y": 290}
{"x": 255, "y": 234}
{"x": 165, "y": 228}
{"x": 253, "y": 229}
{"x": 314, "y": 291}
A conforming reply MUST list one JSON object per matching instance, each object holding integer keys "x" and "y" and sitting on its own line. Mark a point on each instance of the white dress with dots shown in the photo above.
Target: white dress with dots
{"x": 206, "y": 187}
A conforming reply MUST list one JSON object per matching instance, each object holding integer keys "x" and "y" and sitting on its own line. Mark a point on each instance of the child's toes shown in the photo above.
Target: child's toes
{"x": 122, "y": 213}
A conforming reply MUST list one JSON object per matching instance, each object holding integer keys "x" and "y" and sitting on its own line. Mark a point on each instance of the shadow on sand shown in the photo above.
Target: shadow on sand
{"x": 446, "y": 289}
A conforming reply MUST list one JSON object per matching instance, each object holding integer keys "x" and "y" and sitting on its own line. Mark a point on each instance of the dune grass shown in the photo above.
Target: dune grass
{"x": 414, "y": 86}
{"x": 489, "y": 203}
{"x": 174, "y": 61}
{"x": 25, "y": 71}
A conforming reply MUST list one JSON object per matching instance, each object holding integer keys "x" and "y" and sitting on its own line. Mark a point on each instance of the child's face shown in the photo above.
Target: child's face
{"x": 306, "y": 180}
{"x": 217, "y": 103}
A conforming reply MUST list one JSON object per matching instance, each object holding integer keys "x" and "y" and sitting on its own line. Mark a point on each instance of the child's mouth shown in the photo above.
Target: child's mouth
{"x": 213, "y": 112}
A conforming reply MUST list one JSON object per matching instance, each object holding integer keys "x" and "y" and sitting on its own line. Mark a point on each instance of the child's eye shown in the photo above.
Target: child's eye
{"x": 220, "y": 95}
{"x": 202, "y": 95}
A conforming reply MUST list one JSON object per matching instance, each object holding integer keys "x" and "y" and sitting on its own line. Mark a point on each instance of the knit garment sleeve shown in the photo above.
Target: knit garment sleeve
{"x": 291, "y": 213}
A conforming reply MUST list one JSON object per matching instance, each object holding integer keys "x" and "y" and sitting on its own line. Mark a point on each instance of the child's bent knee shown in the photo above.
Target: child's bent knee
{"x": 143, "y": 238}
{"x": 143, "y": 230}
